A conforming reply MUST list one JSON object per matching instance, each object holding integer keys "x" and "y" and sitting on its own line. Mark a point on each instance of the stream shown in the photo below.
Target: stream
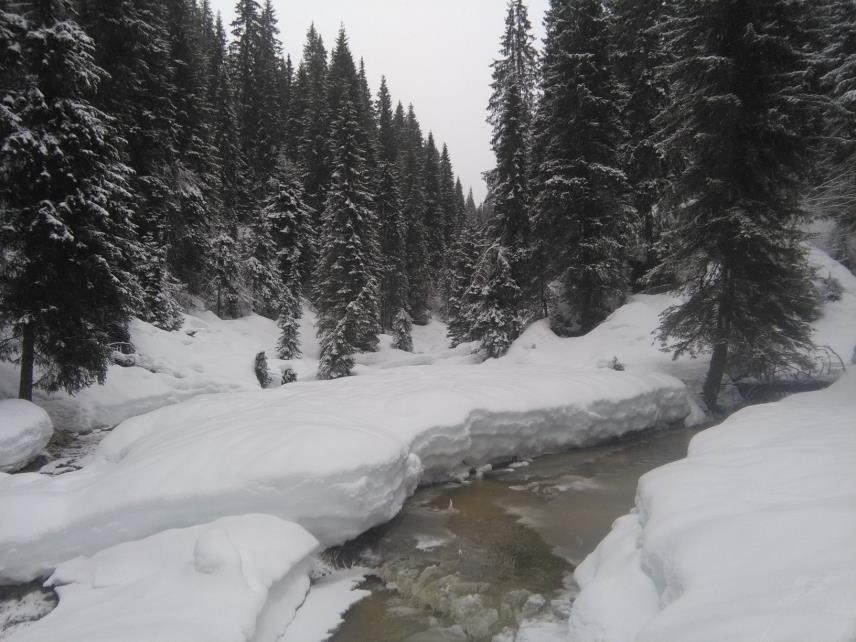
{"x": 492, "y": 558}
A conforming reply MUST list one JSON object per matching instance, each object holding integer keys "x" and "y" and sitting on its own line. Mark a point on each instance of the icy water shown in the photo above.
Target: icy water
{"x": 492, "y": 558}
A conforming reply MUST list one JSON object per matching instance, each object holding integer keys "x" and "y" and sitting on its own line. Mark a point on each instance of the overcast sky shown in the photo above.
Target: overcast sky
{"x": 435, "y": 54}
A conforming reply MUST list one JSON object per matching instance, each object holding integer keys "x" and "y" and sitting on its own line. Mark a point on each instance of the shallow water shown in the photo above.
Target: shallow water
{"x": 487, "y": 558}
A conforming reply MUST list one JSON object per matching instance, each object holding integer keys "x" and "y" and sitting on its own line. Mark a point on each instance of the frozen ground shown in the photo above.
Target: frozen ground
{"x": 749, "y": 538}
{"x": 25, "y": 430}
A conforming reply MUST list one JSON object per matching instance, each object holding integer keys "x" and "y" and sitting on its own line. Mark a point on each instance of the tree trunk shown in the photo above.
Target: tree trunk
{"x": 712, "y": 382}
{"x": 28, "y": 338}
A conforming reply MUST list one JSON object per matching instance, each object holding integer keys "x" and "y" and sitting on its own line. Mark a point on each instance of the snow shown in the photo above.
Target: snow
{"x": 327, "y": 602}
{"x": 239, "y": 578}
{"x": 25, "y": 429}
{"x": 629, "y": 335}
{"x": 336, "y": 457}
{"x": 749, "y": 538}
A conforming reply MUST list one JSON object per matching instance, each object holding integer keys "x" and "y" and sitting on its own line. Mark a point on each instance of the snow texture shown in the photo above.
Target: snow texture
{"x": 336, "y": 457}
{"x": 749, "y": 538}
{"x": 239, "y": 578}
{"x": 25, "y": 429}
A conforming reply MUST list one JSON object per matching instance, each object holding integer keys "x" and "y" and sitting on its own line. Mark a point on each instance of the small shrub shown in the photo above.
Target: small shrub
{"x": 831, "y": 289}
{"x": 261, "y": 368}
{"x": 615, "y": 364}
{"x": 288, "y": 376}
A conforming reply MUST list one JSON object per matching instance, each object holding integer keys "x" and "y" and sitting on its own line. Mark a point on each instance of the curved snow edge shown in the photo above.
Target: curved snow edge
{"x": 723, "y": 545}
{"x": 337, "y": 457}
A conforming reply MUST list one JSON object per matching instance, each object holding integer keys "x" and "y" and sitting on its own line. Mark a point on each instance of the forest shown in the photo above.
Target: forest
{"x": 154, "y": 159}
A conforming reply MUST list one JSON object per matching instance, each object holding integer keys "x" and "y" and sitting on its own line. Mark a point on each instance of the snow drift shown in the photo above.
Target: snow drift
{"x": 749, "y": 538}
{"x": 239, "y": 578}
{"x": 336, "y": 457}
{"x": 25, "y": 429}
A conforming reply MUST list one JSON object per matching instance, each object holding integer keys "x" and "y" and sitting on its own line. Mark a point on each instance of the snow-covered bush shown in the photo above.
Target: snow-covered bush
{"x": 402, "y": 326}
{"x": 261, "y": 369}
{"x": 288, "y": 376}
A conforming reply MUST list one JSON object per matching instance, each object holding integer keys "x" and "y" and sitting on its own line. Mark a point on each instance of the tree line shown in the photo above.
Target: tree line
{"x": 672, "y": 144}
{"x": 153, "y": 158}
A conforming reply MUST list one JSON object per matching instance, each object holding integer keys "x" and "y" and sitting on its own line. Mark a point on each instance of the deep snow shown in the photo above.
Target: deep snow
{"x": 336, "y": 457}
{"x": 25, "y": 430}
{"x": 341, "y": 456}
{"x": 239, "y": 578}
{"x": 749, "y": 538}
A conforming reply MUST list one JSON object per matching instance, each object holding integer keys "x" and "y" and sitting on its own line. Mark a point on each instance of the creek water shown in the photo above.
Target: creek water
{"x": 492, "y": 558}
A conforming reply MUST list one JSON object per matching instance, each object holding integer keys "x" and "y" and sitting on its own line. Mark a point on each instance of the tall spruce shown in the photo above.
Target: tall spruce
{"x": 739, "y": 130}
{"x": 638, "y": 53}
{"x": 67, "y": 235}
{"x": 582, "y": 209}
{"x": 411, "y": 171}
{"x": 132, "y": 45}
{"x": 289, "y": 220}
{"x": 347, "y": 298}
{"x": 504, "y": 272}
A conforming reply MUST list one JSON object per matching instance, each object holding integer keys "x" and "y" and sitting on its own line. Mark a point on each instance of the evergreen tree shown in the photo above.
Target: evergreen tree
{"x": 411, "y": 157}
{"x": 225, "y": 272}
{"x": 312, "y": 117}
{"x": 738, "y": 128}
{"x": 582, "y": 208}
{"x": 233, "y": 172}
{"x": 402, "y": 326}
{"x": 637, "y": 54}
{"x": 132, "y": 44}
{"x": 393, "y": 248}
{"x": 465, "y": 255}
{"x": 67, "y": 235}
{"x": 347, "y": 290}
{"x": 504, "y": 273}
{"x": 510, "y": 116}
{"x": 491, "y": 312}
{"x": 290, "y": 221}
{"x": 192, "y": 177}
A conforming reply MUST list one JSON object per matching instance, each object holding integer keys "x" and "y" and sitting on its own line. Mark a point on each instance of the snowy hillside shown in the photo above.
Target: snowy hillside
{"x": 749, "y": 538}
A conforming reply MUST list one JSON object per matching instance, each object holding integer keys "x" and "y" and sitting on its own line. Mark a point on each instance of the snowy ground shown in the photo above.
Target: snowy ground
{"x": 25, "y": 430}
{"x": 339, "y": 457}
{"x": 749, "y": 538}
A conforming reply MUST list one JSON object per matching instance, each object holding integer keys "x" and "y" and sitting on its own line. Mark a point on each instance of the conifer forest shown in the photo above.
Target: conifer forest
{"x": 666, "y": 236}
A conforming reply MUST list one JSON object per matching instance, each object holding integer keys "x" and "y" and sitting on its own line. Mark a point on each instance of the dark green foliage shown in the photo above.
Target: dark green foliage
{"x": 67, "y": 237}
{"x": 739, "y": 130}
{"x": 637, "y": 54}
{"x": 347, "y": 297}
{"x": 465, "y": 255}
{"x": 582, "y": 209}
{"x": 402, "y": 326}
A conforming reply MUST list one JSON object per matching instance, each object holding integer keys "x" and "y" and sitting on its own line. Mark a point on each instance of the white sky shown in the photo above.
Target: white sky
{"x": 434, "y": 53}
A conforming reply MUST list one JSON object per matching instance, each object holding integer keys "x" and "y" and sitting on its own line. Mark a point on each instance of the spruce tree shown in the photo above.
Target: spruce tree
{"x": 738, "y": 129}
{"x": 581, "y": 207}
{"x": 347, "y": 297}
{"x": 637, "y": 55}
{"x": 289, "y": 219}
{"x": 411, "y": 156}
{"x": 68, "y": 292}
{"x": 504, "y": 272}
{"x": 465, "y": 254}
{"x": 132, "y": 45}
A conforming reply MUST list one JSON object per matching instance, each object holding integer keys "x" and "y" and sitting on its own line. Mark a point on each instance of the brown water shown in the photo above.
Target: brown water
{"x": 483, "y": 559}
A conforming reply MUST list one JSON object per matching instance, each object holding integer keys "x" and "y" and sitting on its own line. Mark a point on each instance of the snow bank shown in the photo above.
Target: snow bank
{"x": 749, "y": 538}
{"x": 629, "y": 333}
{"x": 239, "y": 578}
{"x": 336, "y": 457}
{"x": 25, "y": 429}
